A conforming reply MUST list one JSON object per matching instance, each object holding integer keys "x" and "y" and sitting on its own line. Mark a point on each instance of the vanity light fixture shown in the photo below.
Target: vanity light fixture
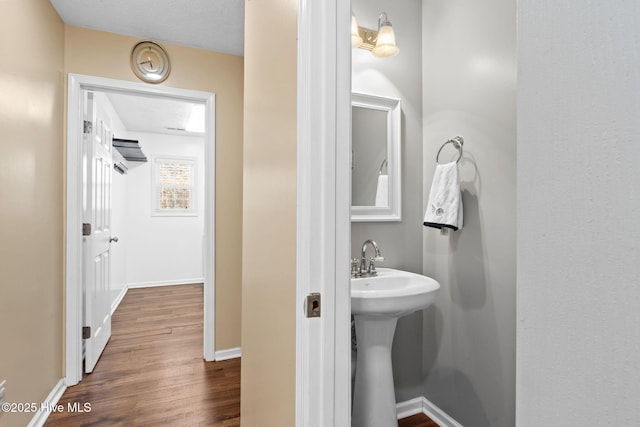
{"x": 381, "y": 43}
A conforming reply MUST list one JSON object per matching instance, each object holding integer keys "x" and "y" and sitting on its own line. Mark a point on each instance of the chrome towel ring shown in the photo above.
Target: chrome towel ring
{"x": 457, "y": 142}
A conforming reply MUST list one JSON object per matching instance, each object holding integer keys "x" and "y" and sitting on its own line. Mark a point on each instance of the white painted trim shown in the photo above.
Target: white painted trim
{"x": 209, "y": 247}
{"x": 323, "y": 360}
{"x": 230, "y": 353}
{"x": 438, "y": 415}
{"x": 166, "y": 283}
{"x": 421, "y": 405}
{"x": 73, "y": 280}
{"x": 409, "y": 407}
{"x": 118, "y": 300}
{"x": 167, "y": 158}
{"x": 73, "y": 244}
{"x": 391, "y": 106}
{"x": 52, "y": 399}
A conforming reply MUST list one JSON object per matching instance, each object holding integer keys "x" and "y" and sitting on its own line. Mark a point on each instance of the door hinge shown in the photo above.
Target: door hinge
{"x": 87, "y": 126}
{"x": 86, "y": 229}
{"x": 313, "y": 305}
{"x": 86, "y": 332}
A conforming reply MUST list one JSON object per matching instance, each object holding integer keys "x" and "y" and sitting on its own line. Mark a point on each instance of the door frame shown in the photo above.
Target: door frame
{"x": 73, "y": 251}
{"x": 323, "y": 357}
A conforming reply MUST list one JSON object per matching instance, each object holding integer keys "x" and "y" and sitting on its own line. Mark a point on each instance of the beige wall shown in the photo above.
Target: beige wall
{"x": 31, "y": 217}
{"x": 103, "y": 54}
{"x": 269, "y": 234}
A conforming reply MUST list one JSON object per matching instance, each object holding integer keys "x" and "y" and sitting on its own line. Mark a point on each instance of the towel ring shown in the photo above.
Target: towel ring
{"x": 457, "y": 142}
{"x": 384, "y": 162}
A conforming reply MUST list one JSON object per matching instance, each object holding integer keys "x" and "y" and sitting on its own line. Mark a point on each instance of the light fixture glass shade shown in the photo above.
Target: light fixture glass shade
{"x": 356, "y": 40}
{"x": 386, "y": 43}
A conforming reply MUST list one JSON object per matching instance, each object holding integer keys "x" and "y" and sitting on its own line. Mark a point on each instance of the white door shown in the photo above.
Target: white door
{"x": 96, "y": 246}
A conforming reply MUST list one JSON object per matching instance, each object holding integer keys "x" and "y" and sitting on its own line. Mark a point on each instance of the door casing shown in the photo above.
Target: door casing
{"x": 323, "y": 357}
{"x": 73, "y": 244}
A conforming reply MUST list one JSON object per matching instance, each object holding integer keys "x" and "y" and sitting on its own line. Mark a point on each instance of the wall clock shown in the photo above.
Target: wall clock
{"x": 149, "y": 62}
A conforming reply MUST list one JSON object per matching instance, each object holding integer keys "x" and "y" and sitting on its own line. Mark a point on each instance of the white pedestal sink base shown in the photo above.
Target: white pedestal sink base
{"x": 376, "y": 303}
{"x": 374, "y": 401}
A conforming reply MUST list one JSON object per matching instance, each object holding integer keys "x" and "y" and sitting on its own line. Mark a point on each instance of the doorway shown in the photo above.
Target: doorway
{"x": 77, "y": 86}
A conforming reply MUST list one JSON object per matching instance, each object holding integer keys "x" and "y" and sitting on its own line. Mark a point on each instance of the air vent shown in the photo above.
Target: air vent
{"x": 130, "y": 149}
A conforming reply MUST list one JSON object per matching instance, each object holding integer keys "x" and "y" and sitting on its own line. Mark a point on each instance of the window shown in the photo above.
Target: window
{"x": 174, "y": 186}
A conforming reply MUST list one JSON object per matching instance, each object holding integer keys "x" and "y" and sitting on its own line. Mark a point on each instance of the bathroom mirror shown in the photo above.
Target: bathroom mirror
{"x": 375, "y": 158}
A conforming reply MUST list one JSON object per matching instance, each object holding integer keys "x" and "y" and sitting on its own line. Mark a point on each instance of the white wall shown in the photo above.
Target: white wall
{"x": 578, "y": 213}
{"x": 469, "y": 71}
{"x": 400, "y": 242}
{"x": 162, "y": 249}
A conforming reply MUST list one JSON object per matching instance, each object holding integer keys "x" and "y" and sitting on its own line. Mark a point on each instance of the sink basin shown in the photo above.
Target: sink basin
{"x": 376, "y": 303}
{"x": 392, "y": 293}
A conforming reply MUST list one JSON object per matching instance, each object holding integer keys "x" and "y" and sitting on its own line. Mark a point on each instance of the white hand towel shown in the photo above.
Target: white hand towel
{"x": 445, "y": 202}
{"x": 382, "y": 192}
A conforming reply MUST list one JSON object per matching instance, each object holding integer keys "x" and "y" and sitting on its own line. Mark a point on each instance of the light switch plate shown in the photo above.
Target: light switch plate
{"x": 3, "y": 390}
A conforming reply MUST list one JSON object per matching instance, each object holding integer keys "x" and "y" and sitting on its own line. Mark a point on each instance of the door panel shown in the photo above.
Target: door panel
{"x": 97, "y": 255}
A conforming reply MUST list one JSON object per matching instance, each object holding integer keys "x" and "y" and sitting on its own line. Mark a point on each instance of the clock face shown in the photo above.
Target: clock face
{"x": 150, "y": 62}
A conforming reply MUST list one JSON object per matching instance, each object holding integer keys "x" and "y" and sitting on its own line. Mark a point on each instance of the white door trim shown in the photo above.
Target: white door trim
{"x": 73, "y": 280}
{"x": 323, "y": 358}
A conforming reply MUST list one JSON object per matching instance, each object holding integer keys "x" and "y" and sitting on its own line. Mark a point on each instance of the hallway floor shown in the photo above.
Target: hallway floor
{"x": 152, "y": 372}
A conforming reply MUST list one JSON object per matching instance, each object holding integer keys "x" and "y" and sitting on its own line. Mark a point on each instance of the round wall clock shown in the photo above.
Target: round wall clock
{"x": 149, "y": 62}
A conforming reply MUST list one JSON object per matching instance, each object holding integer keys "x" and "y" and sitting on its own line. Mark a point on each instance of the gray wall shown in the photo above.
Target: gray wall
{"x": 400, "y": 242}
{"x": 469, "y": 69}
{"x": 396, "y": 77}
{"x": 578, "y": 205}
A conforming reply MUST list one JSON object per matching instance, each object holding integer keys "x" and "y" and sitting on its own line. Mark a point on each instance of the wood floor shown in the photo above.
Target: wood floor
{"x": 419, "y": 420}
{"x": 152, "y": 372}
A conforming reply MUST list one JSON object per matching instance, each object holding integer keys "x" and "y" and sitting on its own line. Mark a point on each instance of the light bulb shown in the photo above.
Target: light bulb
{"x": 386, "y": 42}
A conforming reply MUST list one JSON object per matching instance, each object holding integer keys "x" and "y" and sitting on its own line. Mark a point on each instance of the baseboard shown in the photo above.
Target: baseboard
{"x": 41, "y": 416}
{"x": 230, "y": 353}
{"x": 166, "y": 283}
{"x": 420, "y": 405}
{"x": 409, "y": 407}
{"x": 118, "y": 299}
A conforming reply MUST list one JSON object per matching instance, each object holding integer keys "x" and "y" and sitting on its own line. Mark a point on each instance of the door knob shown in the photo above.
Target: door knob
{"x": 113, "y": 239}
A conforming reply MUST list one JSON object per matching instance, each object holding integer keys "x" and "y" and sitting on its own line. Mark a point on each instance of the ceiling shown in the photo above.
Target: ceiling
{"x": 216, "y": 25}
{"x": 157, "y": 114}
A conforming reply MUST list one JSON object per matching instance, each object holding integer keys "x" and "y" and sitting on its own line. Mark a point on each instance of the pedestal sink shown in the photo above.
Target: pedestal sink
{"x": 376, "y": 303}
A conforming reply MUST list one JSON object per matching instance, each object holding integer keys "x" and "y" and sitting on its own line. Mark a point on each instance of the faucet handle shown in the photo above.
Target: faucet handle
{"x": 378, "y": 258}
{"x": 355, "y": 265}
{"x": 371, "y": 269}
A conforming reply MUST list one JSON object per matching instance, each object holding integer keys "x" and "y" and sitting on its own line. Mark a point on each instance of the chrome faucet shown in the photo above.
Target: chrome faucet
{"x": 360, "y": 268}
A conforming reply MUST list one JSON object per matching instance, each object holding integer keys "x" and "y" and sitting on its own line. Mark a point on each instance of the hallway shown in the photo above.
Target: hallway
{"x": 152, "y": 371}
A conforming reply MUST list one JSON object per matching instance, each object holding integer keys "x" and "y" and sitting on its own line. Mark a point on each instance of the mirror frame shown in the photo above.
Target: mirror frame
{"x": 393, "y": 212}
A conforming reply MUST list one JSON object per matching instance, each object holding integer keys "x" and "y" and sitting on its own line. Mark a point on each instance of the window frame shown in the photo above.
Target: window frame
{"x": 156, "y": 210}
